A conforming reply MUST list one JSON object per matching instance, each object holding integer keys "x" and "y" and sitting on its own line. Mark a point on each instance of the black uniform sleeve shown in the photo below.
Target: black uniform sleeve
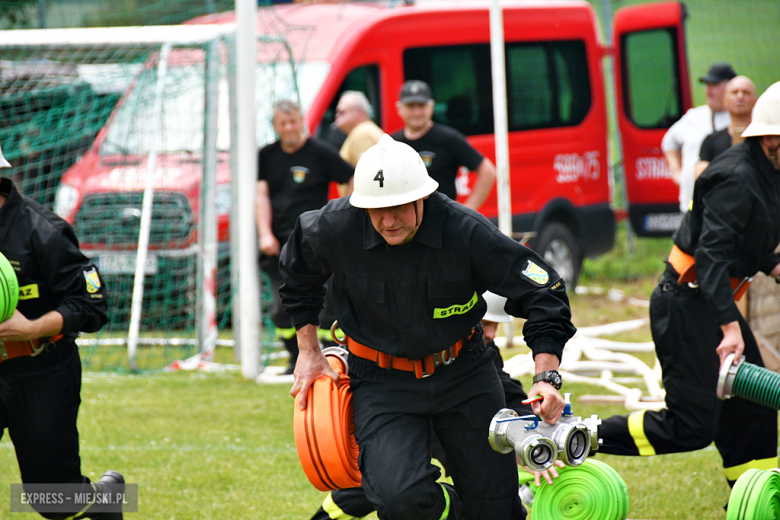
{"x": 464, "y": 153}
{"x": 727, "y": 207}
{"x": 707, "y": 153}
{"x": 70, "y": 273}
{"x": 338, "y": 169}
{"x": 304, "y": 274}
{"x": 261, "y": 166}
{"x": 769, "y": 262}
{"x": 534, "y": 291}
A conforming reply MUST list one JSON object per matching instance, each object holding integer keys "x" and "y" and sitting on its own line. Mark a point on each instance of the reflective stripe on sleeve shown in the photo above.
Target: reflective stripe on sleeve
{"x": 636, "y": 427}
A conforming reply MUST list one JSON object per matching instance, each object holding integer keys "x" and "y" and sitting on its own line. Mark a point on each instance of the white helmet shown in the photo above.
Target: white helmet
{"x": 390, "y": 174}
{"x": 766, "y": 114}
{"x": 3, "y": 162}
{"x": 495, "y": 308}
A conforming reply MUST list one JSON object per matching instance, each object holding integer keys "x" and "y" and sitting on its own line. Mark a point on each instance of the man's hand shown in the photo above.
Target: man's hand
{"x": 551, "y": 407}
{"x": 19, "y": 328}
{"x": 732, "y": 342}
{"x": 311, "y": 363}
{"x": 546, "y": 473}
{"x": 269, "y": 246}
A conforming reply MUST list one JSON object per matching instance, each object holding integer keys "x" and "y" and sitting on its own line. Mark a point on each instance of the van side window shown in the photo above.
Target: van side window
{"x": 364, "y": 79}
{"x": 652, "y": 80}
{"x": 547, "y": 84}
{"x": 459, "y": 76}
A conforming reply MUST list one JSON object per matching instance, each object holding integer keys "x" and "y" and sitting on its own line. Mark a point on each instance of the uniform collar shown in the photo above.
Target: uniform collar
{"x": 765, "y": 167}
{"x": 429, "y": 233}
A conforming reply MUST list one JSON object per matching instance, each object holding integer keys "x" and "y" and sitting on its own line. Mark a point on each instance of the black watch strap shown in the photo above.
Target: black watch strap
{"x": 550, "y": 376}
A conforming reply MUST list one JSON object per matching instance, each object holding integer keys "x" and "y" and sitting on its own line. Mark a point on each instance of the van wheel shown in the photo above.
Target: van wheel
{"x": 557, "y": 245}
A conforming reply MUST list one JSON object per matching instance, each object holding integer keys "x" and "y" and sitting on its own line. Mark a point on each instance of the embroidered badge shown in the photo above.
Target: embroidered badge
{"x": 299, "y": 173}
{"x": 535, "y": 273}
{"x": 427, "y": 158}
{"x": 93, "y": 280}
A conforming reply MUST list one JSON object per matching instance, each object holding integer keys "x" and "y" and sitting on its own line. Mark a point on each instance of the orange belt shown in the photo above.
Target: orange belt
{"x": 683, "y": 263}
{"x": 31, "y": 347}
{"x": 421, "y": 367}
{"x": 325, "y": 433}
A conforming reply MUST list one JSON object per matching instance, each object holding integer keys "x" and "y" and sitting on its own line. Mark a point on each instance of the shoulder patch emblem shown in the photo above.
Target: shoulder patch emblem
{"x": 427, "y": 158}
{"x": 535, "y": 273}
{"x": 93, "y": 280}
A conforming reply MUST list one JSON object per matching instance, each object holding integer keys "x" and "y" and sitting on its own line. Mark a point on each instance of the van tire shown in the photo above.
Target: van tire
{"x": 557, "y": 245}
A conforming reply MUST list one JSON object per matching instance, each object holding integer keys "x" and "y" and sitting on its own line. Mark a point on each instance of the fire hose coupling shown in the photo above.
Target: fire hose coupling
{"x": 538, "y": 444}
{"x": 750, "y": 382}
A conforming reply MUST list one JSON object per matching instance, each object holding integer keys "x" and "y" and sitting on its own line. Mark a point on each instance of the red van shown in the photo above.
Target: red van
{"x": 560, "y": 167}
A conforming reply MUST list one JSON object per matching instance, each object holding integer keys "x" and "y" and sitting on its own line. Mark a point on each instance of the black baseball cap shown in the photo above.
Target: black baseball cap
{"x": 415, "y": 91}
{"x": 717, "y": 73}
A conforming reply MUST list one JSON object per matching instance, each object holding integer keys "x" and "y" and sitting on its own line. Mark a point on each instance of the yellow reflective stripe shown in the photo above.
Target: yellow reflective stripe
{"x": 734, "y": 472}
{"x": 443, "y": 477}
{"x": 636, "y": 427}
{"x": 29, "y": 292}
{"x": 94, "y": 496}
{"x": 334, "y": 511}
{"x": 446, "y": 512}
{"x": 285, "y": 333}
{"x": 446, "y": 312}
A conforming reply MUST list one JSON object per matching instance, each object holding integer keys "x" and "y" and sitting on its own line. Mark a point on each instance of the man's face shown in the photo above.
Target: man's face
{"x": 289, "y": 127}
{"x": 416, "y": 115}
{"x": 490, "y": 328}
{"x": 397, "y": 224}
{"x": 771, "y": 146}
{"x": 348, "y": 116}
{"x": 740, "y": 97}
{"x": 715, "y": 93}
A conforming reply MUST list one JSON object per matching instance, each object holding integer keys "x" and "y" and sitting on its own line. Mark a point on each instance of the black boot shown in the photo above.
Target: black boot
{"x": 111, "y": 481}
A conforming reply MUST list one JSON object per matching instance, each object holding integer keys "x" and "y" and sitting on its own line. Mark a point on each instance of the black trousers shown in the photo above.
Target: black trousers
{"x": 40, "y": 412}
{"x": 395, "y": 415}
{"x": 685, "y": 336}
{"x": 349, "y": 504}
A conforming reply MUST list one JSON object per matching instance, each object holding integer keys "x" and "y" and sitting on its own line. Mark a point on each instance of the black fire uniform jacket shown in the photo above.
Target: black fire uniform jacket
{"x": 53, "y": 275}
{"x": 734, "y": 226}
{"x": 421, "y": 297}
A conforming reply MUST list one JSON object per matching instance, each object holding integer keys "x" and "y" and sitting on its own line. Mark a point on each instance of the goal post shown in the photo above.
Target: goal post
{"x": 128, "y": 134}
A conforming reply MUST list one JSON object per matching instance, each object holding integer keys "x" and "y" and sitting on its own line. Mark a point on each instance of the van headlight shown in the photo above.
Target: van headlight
{"x": 65, "y": 201}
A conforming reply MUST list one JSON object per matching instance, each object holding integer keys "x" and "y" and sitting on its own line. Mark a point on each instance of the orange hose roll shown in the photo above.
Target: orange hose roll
{"x": 324, "y": 431}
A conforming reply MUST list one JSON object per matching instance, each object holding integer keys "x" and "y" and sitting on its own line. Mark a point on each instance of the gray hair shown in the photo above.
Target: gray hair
{"x": 359, "y": 99}
{"x": 286, "y": 106}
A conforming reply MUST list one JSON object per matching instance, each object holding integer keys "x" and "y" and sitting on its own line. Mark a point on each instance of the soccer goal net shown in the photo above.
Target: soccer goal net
{"x": 126, "y": 134}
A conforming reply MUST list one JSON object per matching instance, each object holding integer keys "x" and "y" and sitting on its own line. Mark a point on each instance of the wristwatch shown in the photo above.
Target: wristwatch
{"x": 550, "y": 376}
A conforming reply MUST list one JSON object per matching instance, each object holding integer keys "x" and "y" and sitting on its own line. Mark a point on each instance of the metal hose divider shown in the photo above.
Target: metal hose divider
{"x": 592, "y": 490}
{"x": 748, "y": 381}
{"x": 755, "y": 496}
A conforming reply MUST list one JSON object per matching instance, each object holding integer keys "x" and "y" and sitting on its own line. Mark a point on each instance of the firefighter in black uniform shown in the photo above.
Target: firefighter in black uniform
{"x": 60, "y": 294}
{"x": 731, "y": 233}
{"x": 409, "y": 266}
{"x": 351, "y": 504}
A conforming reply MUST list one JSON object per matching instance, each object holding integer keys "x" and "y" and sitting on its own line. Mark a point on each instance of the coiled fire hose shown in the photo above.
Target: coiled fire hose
{"x": 755, "y": 496}
{"x": 748, "y": 381}
{"x": 324, "y": 431}
{"x": 585, "y": 492}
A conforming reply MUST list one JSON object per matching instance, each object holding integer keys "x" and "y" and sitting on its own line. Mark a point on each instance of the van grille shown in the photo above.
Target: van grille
{"x": 113, "y": 219}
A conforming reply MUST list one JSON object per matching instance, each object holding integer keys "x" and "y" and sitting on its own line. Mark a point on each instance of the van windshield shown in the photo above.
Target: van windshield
{"x": 181, "y": 125}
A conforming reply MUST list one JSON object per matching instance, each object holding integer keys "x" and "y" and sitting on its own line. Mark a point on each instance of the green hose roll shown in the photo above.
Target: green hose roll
{"x": 585, "y": 492}
{"x": 755, "y": 496}
{"x": 9, "y": 289}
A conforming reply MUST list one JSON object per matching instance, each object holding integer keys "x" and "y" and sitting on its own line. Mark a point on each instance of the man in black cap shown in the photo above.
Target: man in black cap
{"x": 443, "y": 149}
{"x": 683, "y": 140}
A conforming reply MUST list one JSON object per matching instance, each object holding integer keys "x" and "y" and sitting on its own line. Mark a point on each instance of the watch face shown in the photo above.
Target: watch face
{"x": 555, "y": 379}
